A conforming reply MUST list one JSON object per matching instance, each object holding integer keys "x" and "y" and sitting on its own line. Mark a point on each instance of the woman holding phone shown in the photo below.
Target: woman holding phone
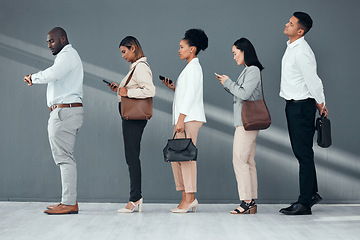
{"x": 246, "y": 87}
{"x": 140, "y": 86}
{"x": 188, "y": 113}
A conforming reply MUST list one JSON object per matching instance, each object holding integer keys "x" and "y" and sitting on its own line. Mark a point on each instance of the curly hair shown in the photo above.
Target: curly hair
{"x": 197, "y": 38}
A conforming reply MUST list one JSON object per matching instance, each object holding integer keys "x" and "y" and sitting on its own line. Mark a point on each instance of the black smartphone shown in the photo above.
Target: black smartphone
{"x": 163, "y": 78}
{"x": 108, "y": 83}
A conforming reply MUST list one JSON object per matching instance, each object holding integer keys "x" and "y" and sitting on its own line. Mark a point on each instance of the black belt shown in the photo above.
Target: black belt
{"x": 300, "y": 101}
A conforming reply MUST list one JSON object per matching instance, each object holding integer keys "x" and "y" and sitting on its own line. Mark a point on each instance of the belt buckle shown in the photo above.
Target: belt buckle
{"x": 53, "y": 107}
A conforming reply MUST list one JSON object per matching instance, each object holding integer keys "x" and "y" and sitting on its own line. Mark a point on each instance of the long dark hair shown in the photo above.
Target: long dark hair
{"x": 132, "y": 41}
{"x": 250, "y": 56}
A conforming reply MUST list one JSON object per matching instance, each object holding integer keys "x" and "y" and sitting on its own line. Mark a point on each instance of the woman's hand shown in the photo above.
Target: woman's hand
{"x": 222, "y": 78}
{"x": 180, "y": 125}
{"x": 166, "y": 83}
{"x": 123, "y": 92}
{"x": 113, "y": 86}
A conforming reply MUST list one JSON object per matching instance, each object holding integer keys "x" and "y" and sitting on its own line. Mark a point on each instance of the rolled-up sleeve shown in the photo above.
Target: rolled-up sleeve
{"x": 244, "y": 90}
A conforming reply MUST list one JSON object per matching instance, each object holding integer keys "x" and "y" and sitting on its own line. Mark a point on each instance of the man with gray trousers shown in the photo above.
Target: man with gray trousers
{"x": 64, "y": 98}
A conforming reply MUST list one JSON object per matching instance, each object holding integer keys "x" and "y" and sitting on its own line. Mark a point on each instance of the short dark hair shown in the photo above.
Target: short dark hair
{"x": 129, "y": 41}
{"x": 197, "y": 38}
{"x": 59, "y": 32}
{"x": 305, "y": 21}
{"x": 250, "y": 56}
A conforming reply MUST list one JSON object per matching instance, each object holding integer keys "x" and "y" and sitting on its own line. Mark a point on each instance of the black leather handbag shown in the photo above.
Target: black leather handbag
{"x": 180, "y": 150}
{"x": 323, "y": 128}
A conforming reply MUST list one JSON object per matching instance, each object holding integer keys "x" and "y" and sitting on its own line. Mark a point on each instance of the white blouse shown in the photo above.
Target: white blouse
{"x": 188, "y": 98}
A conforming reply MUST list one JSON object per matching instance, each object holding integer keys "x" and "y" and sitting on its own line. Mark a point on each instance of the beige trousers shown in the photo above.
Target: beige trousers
{"x": 185, "y": 172}
{"x": 244, "y": 163}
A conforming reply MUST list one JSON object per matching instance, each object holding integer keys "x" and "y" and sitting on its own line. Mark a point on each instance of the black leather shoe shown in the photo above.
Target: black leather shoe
{"x": 296, "y": 209}
{"x": 315, "y": 199}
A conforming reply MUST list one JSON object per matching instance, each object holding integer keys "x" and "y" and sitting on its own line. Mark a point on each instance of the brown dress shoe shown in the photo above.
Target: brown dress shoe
{"x": 53, "y": 206}
{"x": 63, "y": 209}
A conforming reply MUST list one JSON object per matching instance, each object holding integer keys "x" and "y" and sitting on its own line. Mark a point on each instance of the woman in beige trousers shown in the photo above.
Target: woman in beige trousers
{"x": 246, "y": 87}
{"x": 188, "y": 113}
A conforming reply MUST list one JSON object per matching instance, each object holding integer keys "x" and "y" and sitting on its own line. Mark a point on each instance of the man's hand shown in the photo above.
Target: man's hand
{"x": 27, "y": 79}
{"x": 322, "y": 109}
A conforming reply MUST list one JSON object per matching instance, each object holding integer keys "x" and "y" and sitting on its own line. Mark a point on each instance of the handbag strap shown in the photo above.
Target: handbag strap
{"x": 176, "y": 133}
{"x": 262, "y": 90}
{"x": 132, "y": 73}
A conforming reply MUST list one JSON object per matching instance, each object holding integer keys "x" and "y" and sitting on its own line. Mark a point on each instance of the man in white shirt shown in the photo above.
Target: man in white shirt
{"x": 64, "y": 98}
{"x": 303, "y": 91}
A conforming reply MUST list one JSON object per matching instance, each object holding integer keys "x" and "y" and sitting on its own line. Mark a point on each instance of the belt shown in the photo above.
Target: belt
{"x": 300, "y": 101}
{"x": 65, "y": 105}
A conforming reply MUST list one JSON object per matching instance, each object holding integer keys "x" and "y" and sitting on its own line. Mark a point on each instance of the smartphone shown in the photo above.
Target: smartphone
{"x": 108, "y": 83}
{"x": 163, "y": 78}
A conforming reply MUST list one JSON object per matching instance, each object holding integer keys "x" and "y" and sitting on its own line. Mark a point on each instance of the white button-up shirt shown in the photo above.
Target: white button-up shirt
{"x": 188, "y": 98}
{"x": 64, "y": 78}
{"x": 299, "y": 79}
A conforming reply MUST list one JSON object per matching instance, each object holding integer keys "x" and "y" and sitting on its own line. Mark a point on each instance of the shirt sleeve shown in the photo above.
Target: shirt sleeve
{"x": 61, "y": 67}
{"x": 191, "y": 81}
{"x": 243, "y": 91}
{"x": 145, "y": 87}
{"x": 307, "y": 65}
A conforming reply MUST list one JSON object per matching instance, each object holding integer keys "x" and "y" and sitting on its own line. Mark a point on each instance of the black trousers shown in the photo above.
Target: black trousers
{"x": 132, "y": 133}
{"x": 300, "y": 117}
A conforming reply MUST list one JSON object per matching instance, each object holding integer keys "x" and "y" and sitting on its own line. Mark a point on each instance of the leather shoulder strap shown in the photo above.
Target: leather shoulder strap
{"x": 132, "y": 73}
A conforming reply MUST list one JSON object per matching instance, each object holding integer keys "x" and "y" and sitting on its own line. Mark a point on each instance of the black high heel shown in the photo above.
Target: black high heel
{"x": 249, "y": 208}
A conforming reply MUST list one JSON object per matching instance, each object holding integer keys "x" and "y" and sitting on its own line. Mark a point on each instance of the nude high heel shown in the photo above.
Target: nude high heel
{"x": 139, "y": 205}
{"x": 193, "y": 206}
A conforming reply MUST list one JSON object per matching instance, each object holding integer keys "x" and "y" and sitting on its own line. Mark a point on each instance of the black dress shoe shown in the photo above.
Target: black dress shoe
{"x": 296, "y": 209}
{"x": 315, "y": 199}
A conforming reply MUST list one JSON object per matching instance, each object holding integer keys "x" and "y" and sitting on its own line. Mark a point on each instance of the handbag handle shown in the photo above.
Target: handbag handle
{"x": 176, "y": 133}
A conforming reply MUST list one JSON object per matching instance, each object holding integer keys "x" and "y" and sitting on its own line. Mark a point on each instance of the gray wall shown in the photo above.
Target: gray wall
{"x": 27, "y": 171}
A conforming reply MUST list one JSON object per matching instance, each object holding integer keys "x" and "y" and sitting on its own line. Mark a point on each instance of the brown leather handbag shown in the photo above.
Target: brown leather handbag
{"x": 136, "y": 108}
{"x": 255, "y": 115}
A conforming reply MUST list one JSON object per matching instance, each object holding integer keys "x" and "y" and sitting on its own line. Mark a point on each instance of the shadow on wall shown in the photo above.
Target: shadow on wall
{"x": 273, "y": 146}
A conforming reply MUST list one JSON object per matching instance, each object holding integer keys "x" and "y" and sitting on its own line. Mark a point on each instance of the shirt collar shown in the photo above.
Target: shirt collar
{"x": 142, "y": 59}
{"x": 295, "y": 43}
{"x": 65, "y": 47}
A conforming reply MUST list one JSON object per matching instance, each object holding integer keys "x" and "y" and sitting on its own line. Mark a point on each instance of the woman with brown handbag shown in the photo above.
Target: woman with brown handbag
{"x": 137, "y": 84}
{"x": 246, "y": 87}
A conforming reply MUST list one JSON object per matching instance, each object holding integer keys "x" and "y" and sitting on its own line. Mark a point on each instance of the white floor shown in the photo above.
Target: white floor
{"x": 21, "y": 220}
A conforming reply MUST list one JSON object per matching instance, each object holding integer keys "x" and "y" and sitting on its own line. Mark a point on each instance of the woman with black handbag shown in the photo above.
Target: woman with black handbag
{"x": 188, "y": 113}
{"x": 246, "y": 87}
{"x": 137, "y": 84}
